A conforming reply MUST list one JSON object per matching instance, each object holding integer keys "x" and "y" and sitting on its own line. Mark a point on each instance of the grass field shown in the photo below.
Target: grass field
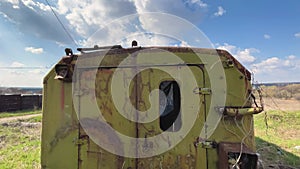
{"x": 279, "y": 144}
{"x": 20, "y": 144}
{"x": 19, "y": 113}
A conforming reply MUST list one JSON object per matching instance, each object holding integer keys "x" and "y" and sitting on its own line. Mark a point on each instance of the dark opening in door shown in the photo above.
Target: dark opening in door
{"x": 169, "y": 106}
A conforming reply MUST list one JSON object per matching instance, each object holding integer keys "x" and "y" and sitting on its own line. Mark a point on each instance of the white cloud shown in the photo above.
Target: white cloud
{"x": 184, "y": 44}
{"x": 221, "y": 11}
{"x": 267, "y": 65}
{"x": 34, "y": 50}
{"x": 277, "y": 69}
{"x": 15, "y": 2}
{"x": 83, "y": 18}
{"x": 16, "y": 7}
{"x": 226, "y": 46}
{"x": 291, "y": 57}
{"x": 297, "y": 35}
{"x": 22, "y": 78}
{"x": 34, "y": 18}
{"x": 28, "y": 3}
{"x": 197, "y": 2}
{"x": 246, "y": 55}
{"x": 276, "y": 64}
{"x": 191, "y": 10}
{"x": 16, "y": 77}
{"x": 86, "y": 17}
{"x": 17, "y": 64}
{"x": 243, "y": 55}
{"x": 266, "y": 36}
{"x": 36, "y": 5}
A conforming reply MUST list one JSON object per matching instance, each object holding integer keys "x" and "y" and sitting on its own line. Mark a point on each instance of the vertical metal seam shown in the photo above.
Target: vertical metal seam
{"x": 79, "y": 126}
{"x": 136, "y": 112}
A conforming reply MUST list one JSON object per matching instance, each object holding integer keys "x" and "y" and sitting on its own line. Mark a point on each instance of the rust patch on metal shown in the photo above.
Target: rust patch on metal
{"x": 62, "y": 98}
{"x": 129, "y": 51}
{"x": 104, "y": 135}
{"x": 62, "y": 133}
{"x": 240, "y": 67}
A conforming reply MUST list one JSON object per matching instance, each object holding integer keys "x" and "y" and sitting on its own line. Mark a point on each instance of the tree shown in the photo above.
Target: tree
{"x": 293, "y": 89}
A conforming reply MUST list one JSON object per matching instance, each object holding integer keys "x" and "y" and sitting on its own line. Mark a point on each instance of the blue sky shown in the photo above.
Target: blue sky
{"x": 263, "y": 35}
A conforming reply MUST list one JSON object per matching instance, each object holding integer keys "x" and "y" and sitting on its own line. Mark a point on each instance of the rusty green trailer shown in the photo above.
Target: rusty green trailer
{"x": 148, "y": 107}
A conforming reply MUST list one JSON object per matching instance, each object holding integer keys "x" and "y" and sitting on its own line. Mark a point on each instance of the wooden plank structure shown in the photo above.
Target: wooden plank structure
{"x": 16, "y": 102}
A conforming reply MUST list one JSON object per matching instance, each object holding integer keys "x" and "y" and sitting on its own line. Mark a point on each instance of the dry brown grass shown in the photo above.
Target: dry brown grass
{"x": 281, "y": 104}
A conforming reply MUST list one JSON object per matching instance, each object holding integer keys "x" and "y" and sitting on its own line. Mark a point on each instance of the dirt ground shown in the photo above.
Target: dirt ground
{"x": 281, "y": 104}
{"x": 8, "y": 119}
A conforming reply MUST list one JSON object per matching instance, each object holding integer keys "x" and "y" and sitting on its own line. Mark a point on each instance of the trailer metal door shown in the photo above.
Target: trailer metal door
{"x": 173, "y": 107}
{"x": 100, "y": 125}
{"x": 170, "y": 109}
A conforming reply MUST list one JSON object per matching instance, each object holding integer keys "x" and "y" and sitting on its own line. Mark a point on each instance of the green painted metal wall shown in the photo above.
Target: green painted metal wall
{"x": 65, "y": 144}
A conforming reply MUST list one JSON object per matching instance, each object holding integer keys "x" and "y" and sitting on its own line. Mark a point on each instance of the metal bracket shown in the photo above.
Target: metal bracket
{"x": 97, "y": 48}
{"x": 80, "y": 141}
{"x": 205, "y": 143}
{"x": 203, "y": 91}
{"x": 240, "y": 111}
{"x": 228, "y": 63}
{"x": 209, "y": 144}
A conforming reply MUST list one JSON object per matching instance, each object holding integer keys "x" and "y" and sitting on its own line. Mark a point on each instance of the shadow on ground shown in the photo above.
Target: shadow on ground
{"x": 272, "y": 156}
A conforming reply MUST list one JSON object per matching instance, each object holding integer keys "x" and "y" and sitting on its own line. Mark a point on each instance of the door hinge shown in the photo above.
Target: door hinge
{"x": 203, "y": 91}
{"x": 209, "y": 144}
{"x": 80, "y": 141}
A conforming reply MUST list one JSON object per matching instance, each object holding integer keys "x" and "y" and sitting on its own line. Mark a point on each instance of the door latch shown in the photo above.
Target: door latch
{"x": 202, "y": 90}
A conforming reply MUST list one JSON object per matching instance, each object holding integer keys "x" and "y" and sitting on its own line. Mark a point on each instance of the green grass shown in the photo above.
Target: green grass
{"x": 18, "y": 113}
{"x": 33, "y": 119}
{"x": 20, "y": 145}
{"x": 277, "y": 142}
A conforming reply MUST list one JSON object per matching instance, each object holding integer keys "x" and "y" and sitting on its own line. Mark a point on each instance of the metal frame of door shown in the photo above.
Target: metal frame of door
{"x": 80, "y": 136}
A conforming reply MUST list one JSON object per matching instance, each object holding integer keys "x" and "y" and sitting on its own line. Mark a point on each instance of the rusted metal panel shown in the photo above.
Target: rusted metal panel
{"x": 185, "y": 155}
{"x": 92, "y": 155}
{"x": 59, "y": 126}
{"x": 138, "y": 69}
{"x": 127, "y": 51}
